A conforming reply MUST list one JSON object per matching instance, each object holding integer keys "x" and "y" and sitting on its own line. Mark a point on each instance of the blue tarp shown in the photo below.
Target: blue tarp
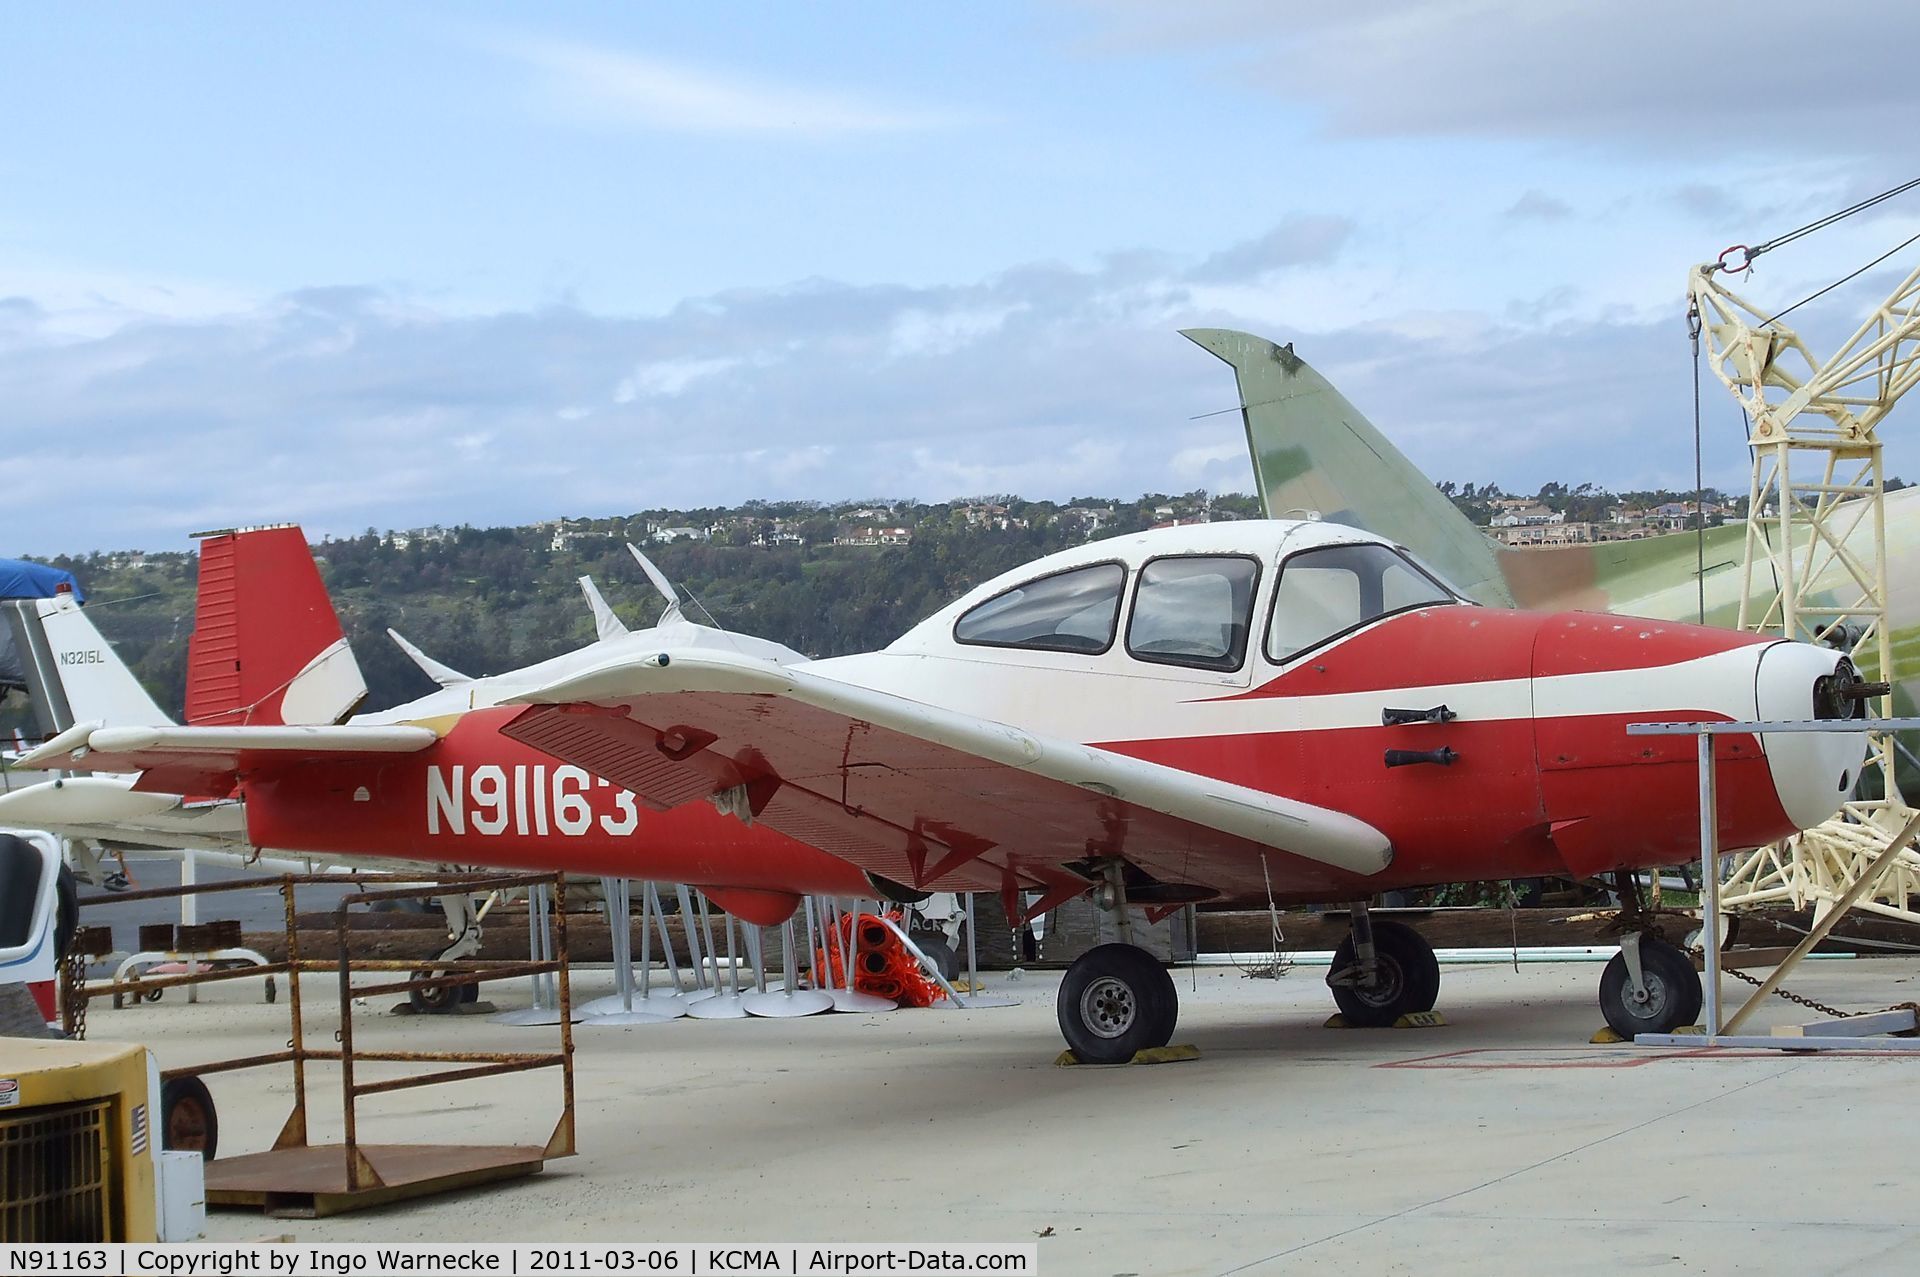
{"x": 20, "y": 579}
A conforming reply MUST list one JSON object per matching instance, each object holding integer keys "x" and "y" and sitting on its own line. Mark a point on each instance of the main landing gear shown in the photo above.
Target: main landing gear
{"x": 1382, "y": 971}
{"x": 1116, "y": 1000}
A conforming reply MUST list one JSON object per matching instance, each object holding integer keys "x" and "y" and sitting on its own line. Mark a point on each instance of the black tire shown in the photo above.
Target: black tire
{"x": 438, "y": 999}
{"x": 1674, "y": 996}
{"x": 188, "y": 1119}
{"x": 935, "y": 946}
{"x": 1408, "y": 978}
{"x": 1116, "y": 1001}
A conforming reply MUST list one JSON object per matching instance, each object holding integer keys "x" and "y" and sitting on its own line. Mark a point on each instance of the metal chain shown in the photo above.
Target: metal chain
{"x": 73, "y": 1000}
{"x": 1821, "y": 1007}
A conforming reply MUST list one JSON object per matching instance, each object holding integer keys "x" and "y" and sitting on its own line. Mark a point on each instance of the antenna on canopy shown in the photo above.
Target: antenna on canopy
{"x": 445, "y": 675}
{"x": 660, "y": 583}
{"x": 606, "y": 625}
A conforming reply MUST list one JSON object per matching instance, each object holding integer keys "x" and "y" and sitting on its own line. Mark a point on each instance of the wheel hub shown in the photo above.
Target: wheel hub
{"x": 1649, "y": 1003}
{"x": 1386, "y": 984}
{"x": 1108, "y": 1007}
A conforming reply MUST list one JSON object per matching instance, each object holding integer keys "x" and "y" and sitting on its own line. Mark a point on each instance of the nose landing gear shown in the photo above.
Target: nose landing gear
{"x": 1382, "y": 971}
{"x": 1650, "y": 986}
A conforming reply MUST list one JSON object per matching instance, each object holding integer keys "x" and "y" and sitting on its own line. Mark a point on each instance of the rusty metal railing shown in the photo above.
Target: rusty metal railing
{"x": 423, "y": 974}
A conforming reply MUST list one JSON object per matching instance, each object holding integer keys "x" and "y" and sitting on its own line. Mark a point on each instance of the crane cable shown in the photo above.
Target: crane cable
{"x": 1699, "y": 482}
{"x": 1821, "y": 223}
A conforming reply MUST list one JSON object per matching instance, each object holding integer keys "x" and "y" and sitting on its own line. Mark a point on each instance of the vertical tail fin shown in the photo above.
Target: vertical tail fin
{"x": 1312, "y": 450}
{"x": 267, "y": 646}
{"x": 72, "y": 674}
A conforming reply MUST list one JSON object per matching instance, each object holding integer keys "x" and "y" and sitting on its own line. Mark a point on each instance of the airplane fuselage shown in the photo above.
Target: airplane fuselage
{"x": 479, "y": 798}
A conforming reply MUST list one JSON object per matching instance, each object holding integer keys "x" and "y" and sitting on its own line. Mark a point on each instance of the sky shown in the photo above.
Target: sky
{"x": 364, "y": 265}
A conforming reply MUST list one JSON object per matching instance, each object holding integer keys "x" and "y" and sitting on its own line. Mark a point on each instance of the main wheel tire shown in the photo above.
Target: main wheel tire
{"x": 188, "y": 1120}
{"x": 438, "y": 999}
{"x": 1673, "y": 993}
{"x": 1407, "y": 977}
{"x": 1116, "y": 1001}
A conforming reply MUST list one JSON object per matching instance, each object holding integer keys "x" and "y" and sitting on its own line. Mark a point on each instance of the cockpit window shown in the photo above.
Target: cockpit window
{"x": 1325, "y": 592}
{"x": 1193, "y": 611}
{"x": 1072, "y": 611}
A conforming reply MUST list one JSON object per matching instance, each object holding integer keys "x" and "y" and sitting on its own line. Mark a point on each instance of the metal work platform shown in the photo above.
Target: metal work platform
{"x": 312, "y": 1180}
{"x": 301, "y": 1179}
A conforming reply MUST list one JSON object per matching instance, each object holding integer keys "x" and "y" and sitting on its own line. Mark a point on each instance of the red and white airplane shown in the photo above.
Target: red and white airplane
{"x": 263, "y": 763}
{"x": 1185, "y": 715}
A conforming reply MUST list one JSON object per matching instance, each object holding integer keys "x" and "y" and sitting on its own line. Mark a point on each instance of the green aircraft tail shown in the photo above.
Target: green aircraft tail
{"x": 1314, "y": 453}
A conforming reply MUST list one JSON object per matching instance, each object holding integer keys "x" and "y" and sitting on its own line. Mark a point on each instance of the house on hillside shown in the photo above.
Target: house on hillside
{"x": 1513, "y": 513}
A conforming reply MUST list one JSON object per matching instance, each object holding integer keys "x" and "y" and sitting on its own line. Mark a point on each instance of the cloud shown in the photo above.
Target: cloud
{"x": 1537, "y": 206}
{"x": 589, "y": 84}
{"x": 1677, "y": 77}
{"x": 345, "y": 408}
{"x": 1299, "y": 240}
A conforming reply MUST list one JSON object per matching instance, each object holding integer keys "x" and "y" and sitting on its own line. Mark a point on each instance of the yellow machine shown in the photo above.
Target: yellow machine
{"x": 78, "y": 1149}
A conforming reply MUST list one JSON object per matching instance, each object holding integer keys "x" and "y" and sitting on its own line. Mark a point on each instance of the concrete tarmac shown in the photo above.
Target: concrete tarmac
{"x": 1502, "y": 1142}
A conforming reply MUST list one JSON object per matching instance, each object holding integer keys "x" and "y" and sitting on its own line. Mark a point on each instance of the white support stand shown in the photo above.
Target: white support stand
{"x": 546, "y": 1005}
{"x": 793, "y": 1001}
{"x": 619, "y": 1011}
{"x": 976, "y": 998}
{"x": 190, "y": 904}
{"x": 1854, "y": 1033}
{"x": 725, "y": 1004}
{"x": 847, "y": 998}
{"x": 190, "y": 963}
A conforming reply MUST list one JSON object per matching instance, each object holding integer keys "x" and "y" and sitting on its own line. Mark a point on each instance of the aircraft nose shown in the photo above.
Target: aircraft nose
{"x": 1813, "y": 772}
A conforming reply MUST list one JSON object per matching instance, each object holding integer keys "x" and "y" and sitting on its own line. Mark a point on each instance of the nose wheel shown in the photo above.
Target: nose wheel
{"x": 1662, "y": 995}
{"x": 1382, "y": 971}
{"x": 1116, "y": 1001}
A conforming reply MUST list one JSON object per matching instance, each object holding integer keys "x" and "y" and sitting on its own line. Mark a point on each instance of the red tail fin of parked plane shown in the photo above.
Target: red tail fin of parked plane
{"x": 267, "y": 647}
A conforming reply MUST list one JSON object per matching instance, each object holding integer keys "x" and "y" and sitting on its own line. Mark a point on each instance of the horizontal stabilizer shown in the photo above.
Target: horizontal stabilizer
{"x": 213, "y": 751}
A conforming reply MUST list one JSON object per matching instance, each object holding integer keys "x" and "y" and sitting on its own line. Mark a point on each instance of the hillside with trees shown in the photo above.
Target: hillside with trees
{"x": 825, "y": 579}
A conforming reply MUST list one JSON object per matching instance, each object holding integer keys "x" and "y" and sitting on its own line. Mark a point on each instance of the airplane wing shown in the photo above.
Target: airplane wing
{"x": 110, "y": 809}
{"x": 926, "y": 795}
{"x": 205, "y": 760}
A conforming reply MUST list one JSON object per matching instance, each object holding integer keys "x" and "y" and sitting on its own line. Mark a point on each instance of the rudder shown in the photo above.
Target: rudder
{"x": 267, "y": 647}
